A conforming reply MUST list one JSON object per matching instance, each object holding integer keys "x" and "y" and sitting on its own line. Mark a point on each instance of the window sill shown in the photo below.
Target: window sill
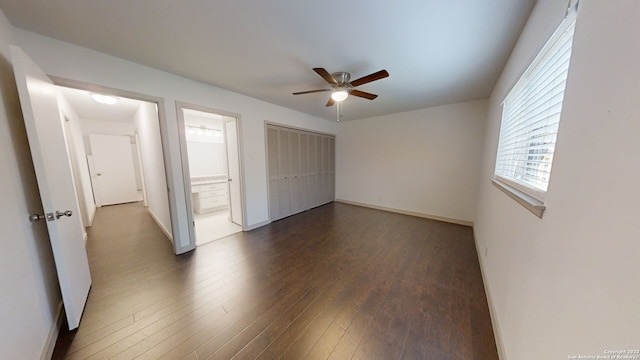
{"x": 530, "y": 203}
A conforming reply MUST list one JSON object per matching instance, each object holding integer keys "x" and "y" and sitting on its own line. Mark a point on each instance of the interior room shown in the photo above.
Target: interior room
{"x": 209, "y": 175}
{"x": 381, "y": 225}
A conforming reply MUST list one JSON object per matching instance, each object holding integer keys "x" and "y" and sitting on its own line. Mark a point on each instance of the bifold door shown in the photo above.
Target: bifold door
{"x": 301, "y": 170}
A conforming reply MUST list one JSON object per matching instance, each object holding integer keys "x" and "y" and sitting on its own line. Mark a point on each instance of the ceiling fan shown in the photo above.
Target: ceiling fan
{"x": 341, "y": 87}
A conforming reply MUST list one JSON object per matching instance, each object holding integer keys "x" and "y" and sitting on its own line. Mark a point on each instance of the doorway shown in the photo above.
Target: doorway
{"x": 211, "y": 153}
{"x": 115, "y": 149}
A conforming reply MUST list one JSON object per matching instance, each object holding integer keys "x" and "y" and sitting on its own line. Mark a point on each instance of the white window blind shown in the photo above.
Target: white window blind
{"x": 531, "y": 115}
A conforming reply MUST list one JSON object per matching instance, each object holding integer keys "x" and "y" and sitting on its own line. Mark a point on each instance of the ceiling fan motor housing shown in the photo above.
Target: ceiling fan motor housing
{"x": 342, "y": 79}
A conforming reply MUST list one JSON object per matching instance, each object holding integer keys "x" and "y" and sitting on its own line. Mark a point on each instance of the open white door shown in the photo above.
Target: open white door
{"x": 38, "y": 99}
{"x": 233, "y": 162}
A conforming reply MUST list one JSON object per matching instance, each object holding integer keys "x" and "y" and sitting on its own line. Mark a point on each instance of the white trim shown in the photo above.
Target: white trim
{"x": 497, "y": 332}
{"x": 536, "y": 194}
{"x": 52, "y": 338}
{"x": 164, "y": 229}
{"x": 406, "y": 212}
{"x": 92, "y": 215}
{"x": 532, "y": 204}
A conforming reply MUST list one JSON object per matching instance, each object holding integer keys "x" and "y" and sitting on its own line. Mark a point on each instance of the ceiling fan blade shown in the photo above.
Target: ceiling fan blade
{"x": 369, "y": 78}
{"x": 363, "y": 94}
{"x": 325, "y": 75}
{"x": 310, "y": 91}
{"x": 330, "y": 102}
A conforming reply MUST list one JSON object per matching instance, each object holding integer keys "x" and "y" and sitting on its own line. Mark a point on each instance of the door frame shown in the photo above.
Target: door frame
{"x": 164, "y": 140}
{"x": 180, "y": 106}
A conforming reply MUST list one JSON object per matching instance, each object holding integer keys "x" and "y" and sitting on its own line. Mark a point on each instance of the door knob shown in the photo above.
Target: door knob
{"x": 60, "y": 214}
{"x": 99, "y": 174}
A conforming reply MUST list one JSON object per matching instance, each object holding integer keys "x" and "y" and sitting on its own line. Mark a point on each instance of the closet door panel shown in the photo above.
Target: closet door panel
{"x": 294, "y": 179}
{"x": 272, "y": 168}
{"x": 304, "y": 170}
{"x": 274, "y": 200}
{"x": 284, "y": 168}
{"x": 320, "y": 179}
{"x": 332, "y": 169}
{"x": 326, "y": 197}
{"x": 313, "y": 172}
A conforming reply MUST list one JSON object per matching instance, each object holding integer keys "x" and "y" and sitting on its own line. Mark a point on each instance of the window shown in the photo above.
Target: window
{"x": 530, "y": 118}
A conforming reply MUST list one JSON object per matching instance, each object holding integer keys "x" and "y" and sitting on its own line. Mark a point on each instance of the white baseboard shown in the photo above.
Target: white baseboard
{"x": 164, "y": 229}
{"x": 405, "y": 212}
{"x": 497, "y": 333}
{"x": 52, "y": 338}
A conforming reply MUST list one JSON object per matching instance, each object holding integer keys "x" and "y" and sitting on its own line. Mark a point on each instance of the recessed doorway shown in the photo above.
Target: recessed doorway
{"x": 211, "y": 153}
{"x": 115, "y": 149}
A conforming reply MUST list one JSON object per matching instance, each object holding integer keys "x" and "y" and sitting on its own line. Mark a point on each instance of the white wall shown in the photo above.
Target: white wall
{"x": 425, "y": 161}
{"x": 148, "y": 128}
{"x": 567, "y": 284}
{"x": 206, "y": 158}
{"x": 29, "y": 293}
{"x": 77, "y": 63}
{"x": 77, "y": 153}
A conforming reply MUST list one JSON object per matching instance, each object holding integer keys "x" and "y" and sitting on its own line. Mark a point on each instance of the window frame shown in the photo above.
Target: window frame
{"x": 531, "y": 197}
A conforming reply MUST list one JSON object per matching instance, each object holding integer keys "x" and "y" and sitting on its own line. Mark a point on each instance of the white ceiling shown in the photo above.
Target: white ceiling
{"x": 87, "y": 108}
{"x": 436, "y": 51}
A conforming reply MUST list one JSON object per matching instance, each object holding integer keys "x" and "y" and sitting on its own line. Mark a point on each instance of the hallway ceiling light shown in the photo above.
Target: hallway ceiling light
{"x": 104, "y": 99}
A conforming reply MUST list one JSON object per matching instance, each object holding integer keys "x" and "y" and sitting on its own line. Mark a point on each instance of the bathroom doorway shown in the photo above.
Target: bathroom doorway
{"x": 212, "y": 153}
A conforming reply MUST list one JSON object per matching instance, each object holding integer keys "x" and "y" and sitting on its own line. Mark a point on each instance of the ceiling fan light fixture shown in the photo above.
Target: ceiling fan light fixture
{"x": 104, "y": 99}
{"x": 340, "y": 95}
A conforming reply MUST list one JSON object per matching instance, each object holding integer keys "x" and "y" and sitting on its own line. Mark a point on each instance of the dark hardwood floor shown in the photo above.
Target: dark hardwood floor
{"x": 335, "y": 282}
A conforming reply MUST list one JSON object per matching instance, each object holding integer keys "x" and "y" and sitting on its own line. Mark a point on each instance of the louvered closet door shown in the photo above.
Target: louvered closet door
{"x": 326, "y": 197}
{"x": 272, "y": 168}
{"x": 301, "y": 170}
{"x": 321, "y": 180}
{"x": 304, "y": 170}
{"x": 294, "y": 142}
{"x": 284, "y": 170}
{"x": 332, "y": 169}
{"x": 313, "y": 172}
